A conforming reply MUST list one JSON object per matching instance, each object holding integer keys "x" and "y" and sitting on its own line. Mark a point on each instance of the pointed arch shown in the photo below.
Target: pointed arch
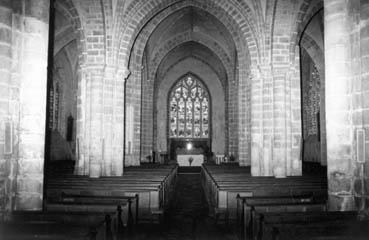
{"x": 189, "y": 107}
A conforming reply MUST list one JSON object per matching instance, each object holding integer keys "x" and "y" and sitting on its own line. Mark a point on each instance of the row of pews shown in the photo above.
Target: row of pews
{"x": 141, "y": 192}
{"x": 38, "y": 225}
{"x": 222, "y": 184}
{"x": 277, "y": 208}
{"x": 79, "y": 207}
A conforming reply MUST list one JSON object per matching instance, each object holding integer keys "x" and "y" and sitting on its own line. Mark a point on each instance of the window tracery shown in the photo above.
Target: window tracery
{"x": 189, "y": 109}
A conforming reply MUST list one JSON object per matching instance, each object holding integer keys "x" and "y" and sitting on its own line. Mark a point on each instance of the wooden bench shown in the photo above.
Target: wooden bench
{"x": 247, "y": 207}
{"x": 221, "y": 189}
{"x": 154, "y": 187}
{"x": 165, "y": 176}
{"x": 48, "y": 230}
{"x": 43, "y": 225}
{"x": 310, "y": 225}
{"x": 149, "y": 196}
{"x": 125, "y": 205}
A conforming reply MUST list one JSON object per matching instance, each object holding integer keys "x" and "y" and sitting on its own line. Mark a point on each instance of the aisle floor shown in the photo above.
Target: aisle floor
{"x": 188, "y": 216}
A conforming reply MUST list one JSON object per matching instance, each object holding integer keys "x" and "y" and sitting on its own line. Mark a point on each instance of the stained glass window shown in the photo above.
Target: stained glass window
{"x": 189, "y": 109}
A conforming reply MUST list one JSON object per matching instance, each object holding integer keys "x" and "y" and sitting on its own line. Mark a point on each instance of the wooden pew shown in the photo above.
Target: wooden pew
{"x": 247, "y": 207}
{"x": 221, "y": 188}
{"x": 41, "y": 225}
{"x": 128, "y": 206}
{"x": 148, "y": 195}
{"x": 62, "y": 225}
{"x": 310, "y": 225}
{"x": 154, "y": 187}
{"x": 47, "y": 230}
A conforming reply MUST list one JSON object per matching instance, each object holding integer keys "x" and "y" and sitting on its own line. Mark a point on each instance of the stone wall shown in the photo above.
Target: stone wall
{"x": 24, "y": 33}
{"x": 311, "y": 103}
{"x": 362, "y": 88}
{"x": 313, "y": 85}
{"x": 217, "y": 102}
{"x": 65, "y": 79}
{"x": 346, "y": 41}
{"x": 145, "y": 20}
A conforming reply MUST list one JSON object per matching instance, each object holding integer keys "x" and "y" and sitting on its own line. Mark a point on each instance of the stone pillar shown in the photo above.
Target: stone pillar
{"x": 363, "y": 87}
{"x": 323, "y": 137}
{"x": 243, "y": 116}
{"x": 82, "y": 138}
{"x": 294, "y": 129}
{"x": 256, "y": 122}
{"x": 279, "y": 141}
{"x": 113, "y": 122}
{"x": 100, "y": 122}
{"x": 30, "y": 47}
{"x": 95, "y": 92}
{"x": 133, "y": 119}
{"x": 276, "y": 115}
{"x": 8, "y": 105}
{"x": 343, "y": 114}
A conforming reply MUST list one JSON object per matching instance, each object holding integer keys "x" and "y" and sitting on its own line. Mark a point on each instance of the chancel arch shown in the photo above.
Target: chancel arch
{"x": 214, "y": 26}
{"x": 197, "y": 68}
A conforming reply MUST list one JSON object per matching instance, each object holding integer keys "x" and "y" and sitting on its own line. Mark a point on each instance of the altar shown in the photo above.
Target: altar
{"x": 193, "y": 160}
{"x": 189, "y": 152}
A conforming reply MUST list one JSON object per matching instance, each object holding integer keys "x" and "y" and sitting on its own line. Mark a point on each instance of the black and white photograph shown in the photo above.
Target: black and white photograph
{"x": 184, "y": 119}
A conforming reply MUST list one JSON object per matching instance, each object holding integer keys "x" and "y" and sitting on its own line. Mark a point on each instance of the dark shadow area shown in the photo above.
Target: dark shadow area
{"x": 188, "y": 216}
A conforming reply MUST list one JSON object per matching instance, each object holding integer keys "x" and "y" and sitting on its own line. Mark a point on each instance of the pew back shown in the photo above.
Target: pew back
{"x": 222, "y": 186}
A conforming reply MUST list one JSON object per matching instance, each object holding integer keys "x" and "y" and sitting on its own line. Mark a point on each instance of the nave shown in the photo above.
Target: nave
{"x": 188, "y": 216}
{"x": 163, "y": 202}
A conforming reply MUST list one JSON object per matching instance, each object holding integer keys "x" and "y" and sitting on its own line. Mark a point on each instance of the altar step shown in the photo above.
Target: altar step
{"x": 189, "y": 169}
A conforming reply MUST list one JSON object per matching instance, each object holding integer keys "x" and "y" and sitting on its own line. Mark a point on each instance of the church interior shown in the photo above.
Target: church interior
{"x": 184, "y": 119}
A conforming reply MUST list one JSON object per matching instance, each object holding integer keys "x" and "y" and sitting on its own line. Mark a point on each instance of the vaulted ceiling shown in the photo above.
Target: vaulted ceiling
{"x": 192, "y": 33}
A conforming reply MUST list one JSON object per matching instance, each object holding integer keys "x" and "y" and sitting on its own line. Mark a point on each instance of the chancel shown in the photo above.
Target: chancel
{"x": 184, "y": 119}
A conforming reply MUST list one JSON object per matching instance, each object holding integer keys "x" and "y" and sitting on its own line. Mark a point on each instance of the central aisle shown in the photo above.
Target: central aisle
{"x": 188, "y": 217}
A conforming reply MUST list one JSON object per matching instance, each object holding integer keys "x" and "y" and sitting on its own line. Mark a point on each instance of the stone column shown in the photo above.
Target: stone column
{"x": 89, "y": 122}
{"x": 256, "y": 123}
{"x": 95, "y": 120}
{"x": 8, "y": 111}
{"x": 82, "y": 139}
{"x": 338, "y": 78}
{"x": 118, "y": 123}
{"x": 363, "y": 87}
{"x": 279, "y": 164}
{"x": 113, "y": 122}
{"x": 276, "y": 116}
{"x": 30, "y": 47}
{"x": 243, "y": 116}
{"x": 133, "y": 119}
{"x": 100, "y": 122}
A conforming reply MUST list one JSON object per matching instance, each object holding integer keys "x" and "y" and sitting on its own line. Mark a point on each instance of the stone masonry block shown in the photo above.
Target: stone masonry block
{"x": 339, "y": 182}
{"x": 5, "y": 35}
{"x": 29, "y": 201}
{"x": 30, "y": 185}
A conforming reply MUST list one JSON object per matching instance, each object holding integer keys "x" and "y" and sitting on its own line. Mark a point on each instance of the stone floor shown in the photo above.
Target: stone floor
{"x": 188, "y": 217}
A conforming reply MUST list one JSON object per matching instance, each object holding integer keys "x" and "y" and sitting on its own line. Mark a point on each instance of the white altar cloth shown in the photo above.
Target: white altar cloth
{"x": 198, "y": 159}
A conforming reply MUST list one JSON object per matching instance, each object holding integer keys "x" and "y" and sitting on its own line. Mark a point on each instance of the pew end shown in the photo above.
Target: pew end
{"x": 157, "y": 216}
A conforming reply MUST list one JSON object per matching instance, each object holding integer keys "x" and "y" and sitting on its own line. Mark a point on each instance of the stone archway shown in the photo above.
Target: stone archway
{"x": 217, "y": 95}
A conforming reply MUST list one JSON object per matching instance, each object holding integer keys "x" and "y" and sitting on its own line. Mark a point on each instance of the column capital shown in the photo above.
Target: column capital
{"x": 123, "y": 73}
